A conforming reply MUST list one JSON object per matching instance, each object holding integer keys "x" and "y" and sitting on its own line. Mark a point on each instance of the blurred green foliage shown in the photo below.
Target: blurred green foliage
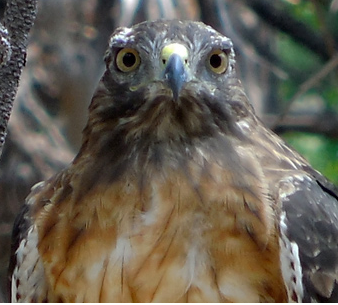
{"x": 319, "y": 150}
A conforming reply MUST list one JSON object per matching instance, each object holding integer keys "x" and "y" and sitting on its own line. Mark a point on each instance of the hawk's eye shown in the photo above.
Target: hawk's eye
{"x": 127, "y": 60}
{"x": 218, "y": 61}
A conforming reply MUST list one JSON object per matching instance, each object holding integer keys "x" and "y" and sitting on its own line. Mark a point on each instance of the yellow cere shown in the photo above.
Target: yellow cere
{"x": 174, "y": 48}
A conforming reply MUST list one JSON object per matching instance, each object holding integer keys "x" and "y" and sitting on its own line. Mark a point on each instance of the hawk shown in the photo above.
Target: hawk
{"x": 178, "y": 193}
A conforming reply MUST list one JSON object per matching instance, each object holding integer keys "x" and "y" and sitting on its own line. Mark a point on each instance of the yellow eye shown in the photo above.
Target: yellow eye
{"x": 218, "y": 61}
{"x": 127, "y": 60}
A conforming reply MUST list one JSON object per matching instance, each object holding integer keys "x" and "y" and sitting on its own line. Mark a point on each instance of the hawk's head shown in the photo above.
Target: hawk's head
{"x": 169, "y": 79}
{"x": 166, "y": 82}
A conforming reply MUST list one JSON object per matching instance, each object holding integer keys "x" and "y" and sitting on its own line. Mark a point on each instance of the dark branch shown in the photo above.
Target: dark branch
{"x": 325, "y": 123}
{"x": 281, "y": 19}
{"x": 18, "y": 19}
{"x": 330, "y": 66}
{"x": 210, "y": 14}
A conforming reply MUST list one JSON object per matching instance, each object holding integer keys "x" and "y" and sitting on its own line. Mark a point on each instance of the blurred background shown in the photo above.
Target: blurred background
{"x": 287, "y": 56}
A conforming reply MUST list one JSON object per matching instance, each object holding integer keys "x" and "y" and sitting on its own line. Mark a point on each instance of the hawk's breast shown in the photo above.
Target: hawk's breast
{"x": 194, "y": 235}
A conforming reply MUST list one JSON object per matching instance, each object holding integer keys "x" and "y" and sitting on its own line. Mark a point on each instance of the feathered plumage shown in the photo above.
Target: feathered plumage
{"x": 178, "y": 193}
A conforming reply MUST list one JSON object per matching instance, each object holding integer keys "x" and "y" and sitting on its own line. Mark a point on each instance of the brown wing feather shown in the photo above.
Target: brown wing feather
{"x": 312, "y": 223}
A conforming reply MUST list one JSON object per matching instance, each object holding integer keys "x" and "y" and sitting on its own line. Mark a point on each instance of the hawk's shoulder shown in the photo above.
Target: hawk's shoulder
{"x": 309, "y": 207}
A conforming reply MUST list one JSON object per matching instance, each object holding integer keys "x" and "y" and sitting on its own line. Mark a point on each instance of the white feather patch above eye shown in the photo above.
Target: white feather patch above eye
{"x": 122, "y": 36}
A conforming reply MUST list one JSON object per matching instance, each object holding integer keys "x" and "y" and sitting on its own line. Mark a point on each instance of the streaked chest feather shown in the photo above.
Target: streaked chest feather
{"x": 182, "y": 237}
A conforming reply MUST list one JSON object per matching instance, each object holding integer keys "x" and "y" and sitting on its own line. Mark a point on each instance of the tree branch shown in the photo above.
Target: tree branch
{"x": 18, "y": 19}
{"x": 5, "y": 46}
{"x": 308, "y": 84}
{"x": 281, "y": 19}
{"x": 324, "y": 123}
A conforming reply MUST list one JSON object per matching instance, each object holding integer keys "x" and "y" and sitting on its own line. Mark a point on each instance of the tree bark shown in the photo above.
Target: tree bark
{"x": 19, "y": 17}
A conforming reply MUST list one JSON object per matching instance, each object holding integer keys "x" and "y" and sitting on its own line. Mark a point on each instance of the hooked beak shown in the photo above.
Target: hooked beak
{"x": 174, "y": 58}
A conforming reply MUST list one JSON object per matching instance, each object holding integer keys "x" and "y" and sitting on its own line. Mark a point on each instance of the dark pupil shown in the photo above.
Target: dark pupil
{"x": 129, "y": 60}
{"x": 215, "y": 61}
